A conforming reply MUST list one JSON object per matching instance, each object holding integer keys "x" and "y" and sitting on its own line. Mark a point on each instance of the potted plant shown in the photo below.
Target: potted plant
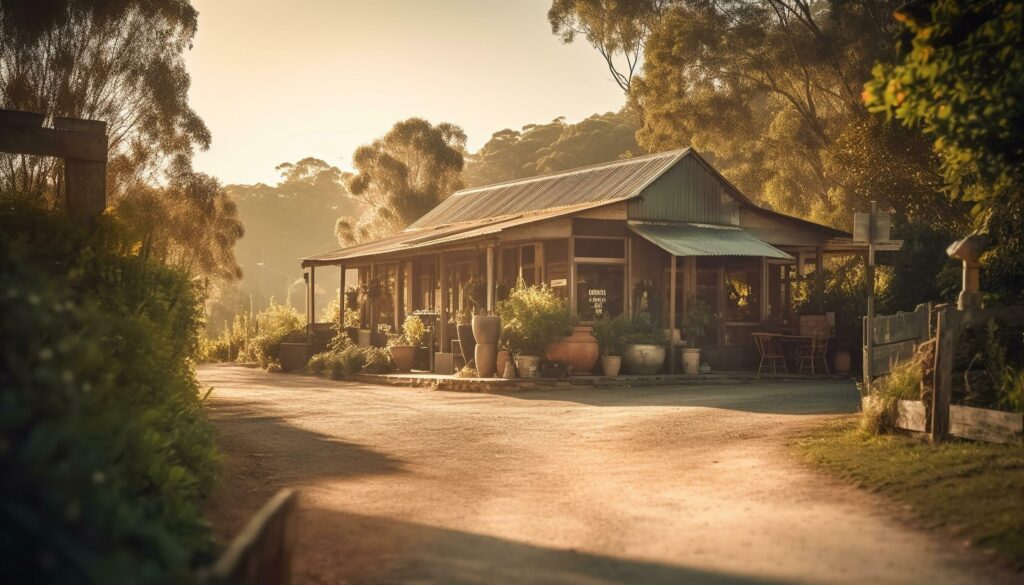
{"x": 610, "y": 333}
{"x": 464, "y": 330}
{"x": 645, "y": 346}
{"x": 403, "y": 346}
{"x": 694, "y": 326}
{"x": 486, "y": 329}
{"x": 579, "y": 350}
{"x": 531, "y": 318}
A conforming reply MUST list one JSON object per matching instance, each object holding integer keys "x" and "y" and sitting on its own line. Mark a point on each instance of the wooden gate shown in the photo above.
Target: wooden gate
{"x": 262, "y": 553}
{"x": 893, "y": 339}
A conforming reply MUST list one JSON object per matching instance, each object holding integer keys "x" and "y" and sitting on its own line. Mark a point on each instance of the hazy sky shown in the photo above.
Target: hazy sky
{"x": 280, "y": 80}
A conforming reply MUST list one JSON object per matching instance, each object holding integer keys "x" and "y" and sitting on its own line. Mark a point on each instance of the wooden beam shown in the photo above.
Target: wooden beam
{"x": 572, "y": 275}
{"x": 946, "y": 331}
{"x": 442, "y": 319}
{"x": 671, "y": 314}
{"x": 312, "y": 295}
{"x": 490, "y": 279}
{"x": 23, "y": 139}
{"x": 341, "y": 295}
{"x": 819, "y": 278}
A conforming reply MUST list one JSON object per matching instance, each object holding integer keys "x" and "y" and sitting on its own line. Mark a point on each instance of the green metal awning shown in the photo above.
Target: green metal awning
{"x": 693, "y": 239}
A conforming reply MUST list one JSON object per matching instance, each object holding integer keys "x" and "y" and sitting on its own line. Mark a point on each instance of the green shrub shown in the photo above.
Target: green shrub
{"x": 274, "y": 325}
{"x": 105, "y": 451}
{"x": 644, "y": 330}
{"x": 377, "y": 360}
{"x": 611, "y": 334}
{"x": 531, "y": 318}
{"x": 414, "y": 331}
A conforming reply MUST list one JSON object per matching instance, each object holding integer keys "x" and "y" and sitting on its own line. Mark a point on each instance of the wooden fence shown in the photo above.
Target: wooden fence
{"x": 262, "y": 553}
{"x": 897, "y": 337}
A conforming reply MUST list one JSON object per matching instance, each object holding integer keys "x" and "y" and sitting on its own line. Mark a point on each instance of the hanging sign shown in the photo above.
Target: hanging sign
{"x": 555, "y": 282}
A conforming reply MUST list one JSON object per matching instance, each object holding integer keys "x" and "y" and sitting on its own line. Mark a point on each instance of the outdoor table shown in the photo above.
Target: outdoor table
{"x": 788, "y": 343}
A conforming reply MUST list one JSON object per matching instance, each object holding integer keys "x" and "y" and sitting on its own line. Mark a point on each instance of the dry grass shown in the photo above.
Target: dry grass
{"x": 975, "y": 490}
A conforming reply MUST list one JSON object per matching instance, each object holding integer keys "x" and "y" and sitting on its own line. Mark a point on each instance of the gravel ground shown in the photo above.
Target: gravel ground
{"x": 692, "y": 484}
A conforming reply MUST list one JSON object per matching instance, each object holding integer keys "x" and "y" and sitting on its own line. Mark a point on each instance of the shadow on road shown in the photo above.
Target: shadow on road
{"x": 796, "y": 398}
{"x": 375, "y": 549}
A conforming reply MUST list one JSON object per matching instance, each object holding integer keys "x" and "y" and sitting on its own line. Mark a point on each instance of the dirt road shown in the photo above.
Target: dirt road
{"x": 660, "y": 485}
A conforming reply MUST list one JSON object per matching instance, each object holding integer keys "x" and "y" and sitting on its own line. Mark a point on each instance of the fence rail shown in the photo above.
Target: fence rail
{"x": 262, "y": 553}
{"x": 897, "y": 337}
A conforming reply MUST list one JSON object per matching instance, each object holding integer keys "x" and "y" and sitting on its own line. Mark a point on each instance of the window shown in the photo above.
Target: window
{"x": 743, "y": 295}
{"x": 600, "y": 248}
{"x": 599, "y": 290}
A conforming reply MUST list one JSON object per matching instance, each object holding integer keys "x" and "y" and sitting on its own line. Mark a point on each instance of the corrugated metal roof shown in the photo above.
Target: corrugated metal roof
{"x": 424, "y": 238}
{"x": 694, "y": 239}
{"x": 601, "y": 183}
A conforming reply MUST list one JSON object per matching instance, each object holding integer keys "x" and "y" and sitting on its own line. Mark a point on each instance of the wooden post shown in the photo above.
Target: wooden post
{"x": 869, "y": 337}
{"x": 629, "y": 276}
{"x": 819, "y": 278}
{"x": 341, "y": 295}
{"x": 671, "y": 314}
{"x": 399, "y": 294}
{"x": 312, "y": 295}
{"x": 490, "y": 279}
{"x": 442, "y": 320}
{"x": 371, "y": 317}
{"x": 946, "y": 329}
{"x": 572, "y": 275}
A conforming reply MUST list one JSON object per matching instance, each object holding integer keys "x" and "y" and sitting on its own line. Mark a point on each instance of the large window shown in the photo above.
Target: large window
{"x": 743, "y": 294}
{"x": 600, "y": 290}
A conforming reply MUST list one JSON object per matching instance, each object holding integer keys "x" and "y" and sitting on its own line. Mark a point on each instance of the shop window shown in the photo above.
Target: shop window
{"x": 600, "y": 290}
{"x": 742, "y": 295}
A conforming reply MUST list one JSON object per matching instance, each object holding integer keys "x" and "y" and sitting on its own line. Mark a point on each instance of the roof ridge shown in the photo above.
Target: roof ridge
{"x": 574, "y": 170}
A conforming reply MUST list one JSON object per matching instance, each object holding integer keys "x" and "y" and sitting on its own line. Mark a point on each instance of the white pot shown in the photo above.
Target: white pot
{"x": 643, "y": 358}
{"x": 691, "y": 360}
{"x": 528, "y": 366}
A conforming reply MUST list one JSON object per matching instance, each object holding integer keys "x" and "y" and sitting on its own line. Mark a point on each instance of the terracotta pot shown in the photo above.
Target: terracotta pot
{"x": 504, "y": 357}
{"x": 486, "y": 328}
{"x": 466, "y": 341}
{"x": 843, "y": 362}
{"x": 579, "y": 351}
{"x": 643, "y": 358}
{"x": 610, "y": 364}
{"x": 528, "y": 366}
{"x": 486, "y": 357}
{"x": 691, "y": 360}
{"x": 403, "y": 356}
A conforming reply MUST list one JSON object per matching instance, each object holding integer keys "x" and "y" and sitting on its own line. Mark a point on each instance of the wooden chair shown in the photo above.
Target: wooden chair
{"x": 771, "y": 353}
{"x": 809, "y": 356}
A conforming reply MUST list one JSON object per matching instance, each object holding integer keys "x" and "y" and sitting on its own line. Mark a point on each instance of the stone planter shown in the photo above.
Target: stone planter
{"x": 610, "y": 365}
{"x": 579, "y": 351}
{"x": 528, "y": 366}
{"x": 643, "y": 358}
{"x": 403, "y": 356}
{"x": 504, "y": 357}
{"x": 691, "y": 360}
{"x": 486, "y": 328}
{"x": 486, "y": 358}
{"x": 466, "y": 341}
{"x": 843, "y": 362}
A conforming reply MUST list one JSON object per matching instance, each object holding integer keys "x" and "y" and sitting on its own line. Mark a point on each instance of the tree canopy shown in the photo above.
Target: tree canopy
{"x": 555, "y": 146}
{"x": 402, "y": 175}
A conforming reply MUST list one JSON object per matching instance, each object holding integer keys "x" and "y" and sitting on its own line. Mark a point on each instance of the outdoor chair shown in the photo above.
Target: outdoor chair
{"x": 809, "y": 357}
{"x": 771, "y": 353}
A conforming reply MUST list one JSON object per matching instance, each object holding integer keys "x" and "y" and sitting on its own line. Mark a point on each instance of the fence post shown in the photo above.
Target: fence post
{"x": 946, "y": 329}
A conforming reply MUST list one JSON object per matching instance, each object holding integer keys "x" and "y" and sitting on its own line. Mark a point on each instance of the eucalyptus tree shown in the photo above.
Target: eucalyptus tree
{"x": 402, "y": 175}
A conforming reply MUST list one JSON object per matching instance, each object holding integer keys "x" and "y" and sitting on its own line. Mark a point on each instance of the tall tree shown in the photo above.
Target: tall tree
{"x": 286, "y": 221}
{"x": 556, "y": 146}
{"x": 403, "y": 175}
{"x": 958, "y": 78}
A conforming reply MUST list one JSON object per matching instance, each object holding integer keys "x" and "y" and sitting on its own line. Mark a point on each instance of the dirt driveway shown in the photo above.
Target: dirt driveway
{"x": 660, "y": 485}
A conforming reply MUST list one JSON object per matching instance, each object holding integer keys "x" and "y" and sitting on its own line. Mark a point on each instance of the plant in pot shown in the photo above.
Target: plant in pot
{"x": 403, "y": 346}
{"x": 694, "y": 326}
{"x": 531, "y": 318}
{"x": 610, "y": 334}
{"x": 645, "y": 346}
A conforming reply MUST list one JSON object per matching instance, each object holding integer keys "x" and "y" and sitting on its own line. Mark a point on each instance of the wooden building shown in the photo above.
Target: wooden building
{"x": 659, "y": 230}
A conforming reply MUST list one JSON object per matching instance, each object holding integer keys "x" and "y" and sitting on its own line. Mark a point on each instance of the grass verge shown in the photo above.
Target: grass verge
{"x": 975, "y": 490}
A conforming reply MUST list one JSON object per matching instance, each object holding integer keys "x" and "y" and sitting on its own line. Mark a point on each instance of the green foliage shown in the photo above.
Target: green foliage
{"x": 611, "y": 333}
{"x": 958, "y": 79}
{"x": 531, "y": 318}
{"x": 696, "y": 322}
{"x": 403, "y": 175}
{"x": 105, "y": 449}
{"x": 545, "y": 148}
{"x": 1005, "y": 380}
{"x": 644, "y": 330}
{"x": 377, "y": 360}
{"x": 414, "y": 332}
{"x": 902, "y": 383}
{"x": 273, "y": 325}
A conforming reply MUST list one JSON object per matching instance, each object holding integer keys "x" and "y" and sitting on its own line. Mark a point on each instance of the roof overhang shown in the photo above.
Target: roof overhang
{"x": 694, "y": 239}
